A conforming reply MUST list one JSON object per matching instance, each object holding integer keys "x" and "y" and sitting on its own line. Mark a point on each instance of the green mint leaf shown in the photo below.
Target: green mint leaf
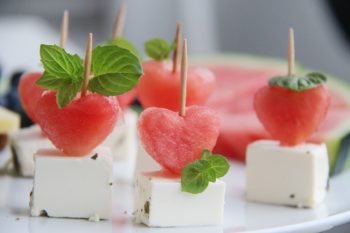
{"x": 116, "y": 70}
{"x": 193, "y": 180}
{"x": 63, "y": 73}
{"x": 51, "y": 82}
{"x": 205, "y": 154}
{"x": 124, "y": 43}
{"x": 67, "y": 92}
{"x": 219, "y": 165}
{"x": 301, "y": 83}
{"x": 59, "y": 63}
{"x": 195, "y": 176}
{"x": 158, "y": 49}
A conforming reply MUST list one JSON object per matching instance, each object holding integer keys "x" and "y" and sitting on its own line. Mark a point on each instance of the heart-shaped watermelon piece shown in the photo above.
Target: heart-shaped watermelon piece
{"x": 174, "y": 141}
{"x": 291, "y": 116}
{"x": 160, "y": 87}
{"x": 30, "y": 93}
{"x": 80, "y": 126}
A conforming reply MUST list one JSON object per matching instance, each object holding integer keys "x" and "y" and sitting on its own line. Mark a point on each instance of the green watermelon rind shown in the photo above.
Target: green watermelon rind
{"x": 335, "y": 136}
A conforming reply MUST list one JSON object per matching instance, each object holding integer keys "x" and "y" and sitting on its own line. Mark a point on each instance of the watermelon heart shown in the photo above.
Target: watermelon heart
{"x": 160, "y": 87}
{"x": 80, "y": 126}
{"x": 29, "y": 93}
{"x": 291, "y": 116}
{"x": 174, "y": 141}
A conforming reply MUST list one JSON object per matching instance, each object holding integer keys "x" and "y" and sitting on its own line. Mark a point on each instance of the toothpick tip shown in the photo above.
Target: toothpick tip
{"x": 119, "y": 21}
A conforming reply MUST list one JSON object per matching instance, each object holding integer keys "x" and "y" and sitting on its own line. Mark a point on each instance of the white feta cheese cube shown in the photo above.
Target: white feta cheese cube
{"x": 123, "y": 139}
{"x": 295, "y": 176}
{"x": 145, "y": 162}
{"x": 159, "y": 202}
{"x": 24, "y": 144}
{"x": 72, "y": 186}
{"x": 123, "y": 144}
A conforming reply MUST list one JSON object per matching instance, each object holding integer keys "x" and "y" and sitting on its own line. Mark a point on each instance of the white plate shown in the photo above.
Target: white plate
{"x": 240, "y": 216}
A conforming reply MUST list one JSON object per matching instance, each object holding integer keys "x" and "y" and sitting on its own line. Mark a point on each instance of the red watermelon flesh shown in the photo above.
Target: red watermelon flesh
{"x": 233, "y": 99}
{"x": 127, "y": 98}
{"x": 29, "y": 93}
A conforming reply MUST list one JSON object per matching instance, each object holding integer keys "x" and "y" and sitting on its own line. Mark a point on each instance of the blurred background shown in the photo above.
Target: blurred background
{"x": 244, "y": 26}
{"x": 252, "y": 26}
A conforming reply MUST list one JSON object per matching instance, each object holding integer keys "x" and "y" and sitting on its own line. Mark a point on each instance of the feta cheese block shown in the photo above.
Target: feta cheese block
{"x": 144, "y": 161}
{"x": 9, "y": 121}
{"x": 24, "y": 144}
{"x": 123, "y": 144}
{"x": 159, "y": 202}
{"x": 123, "y": 139}
{"x": 294, "y": 176}
{"x": 73, "y": 187}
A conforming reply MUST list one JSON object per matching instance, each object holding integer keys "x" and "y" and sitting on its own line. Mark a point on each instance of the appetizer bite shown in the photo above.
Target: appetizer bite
{"x": 186, "y": 192}
{"x": 77, "y": 114}
{"x": 289, "y": 170}
{"x": 160, "y": 83}
{"x": 27, "y": 141}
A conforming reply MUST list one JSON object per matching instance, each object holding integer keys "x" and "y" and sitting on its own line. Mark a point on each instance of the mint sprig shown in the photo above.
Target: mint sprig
{"x": 195, "y": 177}
{"x": 299, "y": 83}
{"x": 63, "y": 73}
{"x": 124, "y": 43}
{"x": 159, "y": 49}
{"x": 114, "y": 71}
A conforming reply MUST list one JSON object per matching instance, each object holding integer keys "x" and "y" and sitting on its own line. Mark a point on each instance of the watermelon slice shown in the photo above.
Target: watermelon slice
{"x": 239, "y": 77}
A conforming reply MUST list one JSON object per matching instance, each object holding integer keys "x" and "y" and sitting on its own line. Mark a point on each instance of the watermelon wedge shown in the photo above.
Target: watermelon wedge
{"x": 239, "y": 77}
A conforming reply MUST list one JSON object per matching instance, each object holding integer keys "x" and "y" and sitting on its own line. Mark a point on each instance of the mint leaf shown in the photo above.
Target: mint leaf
{"x": 116, "y": 70}
{"x": 195, "y": 176}
{"x": 63, "y": 73}
{"x": 193, "y": 180}
{"x": 51, "y": 82}
{"x": 219, "y": 165}
{"x": 59, "y": 63}
{"x": 158, "y": 49}
{"x": 124, "y": 43}
{"x": 67, "y": 92}
{"x": 205, "y": 154}
{"x": 300, "y": 83}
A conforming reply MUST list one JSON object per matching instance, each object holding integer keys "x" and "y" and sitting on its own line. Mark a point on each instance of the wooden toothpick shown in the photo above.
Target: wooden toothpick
{"x": 183, "y": 79}
{"x": 64, "y": 29}
{"x": 291, "y": 52}
{"x": 178, "y": 44}
{"x": 119, "y": 22}
{"x": 87, "y": 65}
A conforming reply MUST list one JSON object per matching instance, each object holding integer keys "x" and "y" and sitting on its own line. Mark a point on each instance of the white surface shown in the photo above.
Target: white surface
{"x": 168, "y": 206}
{"x": 76, "y": 187}
{"x": 26, "y": 142}
{"x": 240, "y": 216}
{"x": 295, "y": 176}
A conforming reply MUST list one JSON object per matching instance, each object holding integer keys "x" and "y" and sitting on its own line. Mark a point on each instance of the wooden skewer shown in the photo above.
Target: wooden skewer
{"x": 178, "y": 44}
{"x": 87, "y": 65}
{"x": 183, "y": 79}
{"x": 291, "y": 52}
{"x": 119, "y": 22}
{"x": 64, "y": 29}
